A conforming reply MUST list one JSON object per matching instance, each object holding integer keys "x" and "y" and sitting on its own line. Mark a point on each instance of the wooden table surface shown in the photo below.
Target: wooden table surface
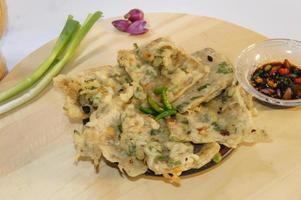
{"x": 36, "y": 150}
{"x": 3, "y": 19}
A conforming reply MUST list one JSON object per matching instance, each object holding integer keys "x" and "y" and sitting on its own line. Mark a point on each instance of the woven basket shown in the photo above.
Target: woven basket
{"x": 3, "y": 21}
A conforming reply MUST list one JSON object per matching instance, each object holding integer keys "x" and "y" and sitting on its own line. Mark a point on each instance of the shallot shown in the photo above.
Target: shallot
{"x": 121, "y": 24}
{"x": 134, "y": 23}
{"x": 134, "y": 15}
{"x": 137, "y": 28}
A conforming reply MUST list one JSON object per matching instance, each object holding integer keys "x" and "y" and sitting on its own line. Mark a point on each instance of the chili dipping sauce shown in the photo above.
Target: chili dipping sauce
{"x": 281, "y": 80}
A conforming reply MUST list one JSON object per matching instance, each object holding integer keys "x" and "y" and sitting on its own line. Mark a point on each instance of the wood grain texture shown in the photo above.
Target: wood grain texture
{"x": 3, "y": 70}
{"x": 3, "y": 20}
{"x": 36, "y": 151}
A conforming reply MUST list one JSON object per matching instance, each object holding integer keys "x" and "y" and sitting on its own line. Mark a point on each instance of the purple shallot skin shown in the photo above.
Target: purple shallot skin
{"x": 134, "y": 15}
{"x": 121, "y": 24}
{"x": 137, "y": 28}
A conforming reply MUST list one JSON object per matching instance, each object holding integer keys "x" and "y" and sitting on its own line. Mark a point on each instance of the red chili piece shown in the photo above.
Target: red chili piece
{"x": 283, "y": 71}
{"x": 298, "y": 80}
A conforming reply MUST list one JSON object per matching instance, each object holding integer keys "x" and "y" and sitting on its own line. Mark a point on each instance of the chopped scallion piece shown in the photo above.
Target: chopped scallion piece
{"x": 217, "y": 158}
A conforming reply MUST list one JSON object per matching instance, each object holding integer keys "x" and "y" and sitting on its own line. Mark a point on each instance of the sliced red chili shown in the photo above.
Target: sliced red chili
{"x": 298, "y": 80}
{"x": 278, "y": 80}
{"x": 283, "y": 71}
{"x": 274, "y": 70}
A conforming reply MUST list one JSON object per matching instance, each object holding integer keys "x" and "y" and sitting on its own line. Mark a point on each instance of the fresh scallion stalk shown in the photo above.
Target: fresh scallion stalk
{"x": 89, "y": 22}
{"x": 56, "y": 67}
{"x": 70, "y": 26}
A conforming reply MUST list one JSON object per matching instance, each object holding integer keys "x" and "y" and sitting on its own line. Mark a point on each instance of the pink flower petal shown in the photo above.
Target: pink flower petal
{"x": 121, "y": 24}
{"x": 137, "y": 28}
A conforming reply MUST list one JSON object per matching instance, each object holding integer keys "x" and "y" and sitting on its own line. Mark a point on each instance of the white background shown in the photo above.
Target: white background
{"x": 34, "y": 22}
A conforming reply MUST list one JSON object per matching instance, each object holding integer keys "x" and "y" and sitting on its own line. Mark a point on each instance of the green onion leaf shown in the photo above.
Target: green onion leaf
{"x": 65, "y": 36}
{"x": 55, "y": 67}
